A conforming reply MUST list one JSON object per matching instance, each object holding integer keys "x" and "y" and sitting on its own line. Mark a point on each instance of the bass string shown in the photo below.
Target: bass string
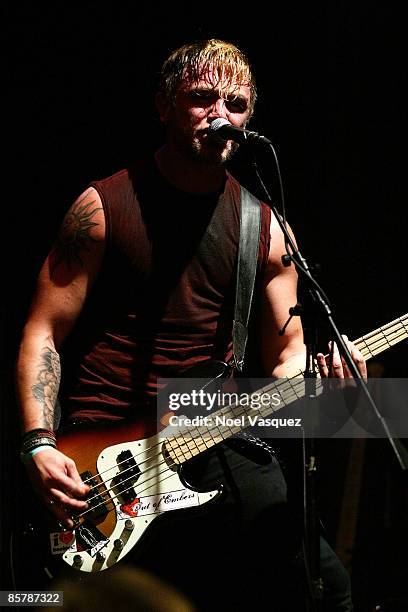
{"x": 179, "y": 446}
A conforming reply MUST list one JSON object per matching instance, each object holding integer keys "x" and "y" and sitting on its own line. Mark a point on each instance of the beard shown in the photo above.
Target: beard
{"x": 207, "y": 151}
{"x": 211, "y": 151}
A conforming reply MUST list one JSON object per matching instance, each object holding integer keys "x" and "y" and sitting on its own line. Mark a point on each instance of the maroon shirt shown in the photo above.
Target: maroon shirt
{"x": 165, "y": 295}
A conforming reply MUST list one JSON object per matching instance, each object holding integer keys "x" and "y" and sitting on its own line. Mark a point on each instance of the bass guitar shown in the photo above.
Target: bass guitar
{"x": 134, "y": 479}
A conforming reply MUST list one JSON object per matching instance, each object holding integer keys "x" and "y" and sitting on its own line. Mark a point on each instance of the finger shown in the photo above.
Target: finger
{"x": 59, "y": 512}
{"x": 336, "y": 365}
{"x": 358, "y": 359}
{"x": 70, "y": 503}
{"x": 322, "y": 365}
{"x": 73, "y": 473}
{"x": 346, "y": 370}
{"x": 70, "y": 486}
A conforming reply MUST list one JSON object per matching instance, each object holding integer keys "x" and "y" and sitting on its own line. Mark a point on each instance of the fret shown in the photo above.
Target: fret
{"x": 379, "y": 340}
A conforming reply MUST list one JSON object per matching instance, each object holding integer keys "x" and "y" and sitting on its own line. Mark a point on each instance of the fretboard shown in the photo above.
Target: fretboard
{"x": 383, "y": 338}
{"x": 232, "y": 419}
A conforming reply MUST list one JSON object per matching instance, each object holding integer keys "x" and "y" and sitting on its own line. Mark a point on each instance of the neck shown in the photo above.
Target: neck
{"x": 186, "y": 174}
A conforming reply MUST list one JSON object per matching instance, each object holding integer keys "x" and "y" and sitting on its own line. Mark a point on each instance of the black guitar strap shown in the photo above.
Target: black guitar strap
{"x": 249, "y": 235}
{"x": 250, "y": 231}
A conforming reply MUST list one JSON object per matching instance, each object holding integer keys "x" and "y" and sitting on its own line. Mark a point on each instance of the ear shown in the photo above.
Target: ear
{"x": 163, "y": 106}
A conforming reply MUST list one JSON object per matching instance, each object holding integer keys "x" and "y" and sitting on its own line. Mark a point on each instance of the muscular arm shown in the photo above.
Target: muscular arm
{"x": 282, "y": 355}
{"x": 285, "y": 355}
{"x": 63, "y": 284}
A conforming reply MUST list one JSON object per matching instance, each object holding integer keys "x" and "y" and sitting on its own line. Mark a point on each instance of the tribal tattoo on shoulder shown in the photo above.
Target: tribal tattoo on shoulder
{"x": 74, "y": 236}
{"x": 45, "y": 390}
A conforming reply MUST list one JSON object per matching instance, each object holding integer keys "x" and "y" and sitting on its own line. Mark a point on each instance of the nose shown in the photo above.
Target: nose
{"x": 217, "y": 109}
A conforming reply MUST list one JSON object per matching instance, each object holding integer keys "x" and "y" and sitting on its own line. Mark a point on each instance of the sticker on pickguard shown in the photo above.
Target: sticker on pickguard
{"x": 152, "y": 504}
{"x": 89, "y": 538}
{"x": 62, "y": 541}
{"x": 98, "y": 547}
{"x": 131, "y": 509}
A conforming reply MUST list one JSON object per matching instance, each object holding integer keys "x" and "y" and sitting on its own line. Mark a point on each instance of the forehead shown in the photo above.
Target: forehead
{"x": 214, "y": 79}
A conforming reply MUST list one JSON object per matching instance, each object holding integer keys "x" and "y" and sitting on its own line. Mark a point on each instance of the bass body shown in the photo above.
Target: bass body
{"x": 132, "y": 483}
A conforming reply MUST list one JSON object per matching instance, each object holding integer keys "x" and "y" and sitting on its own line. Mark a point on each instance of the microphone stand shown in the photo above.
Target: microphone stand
{"x": 316, "y": 304}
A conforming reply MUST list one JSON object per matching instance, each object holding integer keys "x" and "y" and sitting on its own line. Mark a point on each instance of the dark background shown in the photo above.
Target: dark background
{"x": 78, "y": 85}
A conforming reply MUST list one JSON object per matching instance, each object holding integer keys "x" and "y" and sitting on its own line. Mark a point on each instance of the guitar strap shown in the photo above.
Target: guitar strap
{"x": 249, "y": 236}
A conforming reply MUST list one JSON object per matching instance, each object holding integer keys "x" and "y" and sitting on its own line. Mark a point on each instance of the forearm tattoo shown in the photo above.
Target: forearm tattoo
{"x": 74, "y": 236}
{"x": 45, "y": 390}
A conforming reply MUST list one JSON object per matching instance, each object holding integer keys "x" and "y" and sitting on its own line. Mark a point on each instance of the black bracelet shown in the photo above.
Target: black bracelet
{"x": 35, "y": 432}
{"x": 29, "y": 445}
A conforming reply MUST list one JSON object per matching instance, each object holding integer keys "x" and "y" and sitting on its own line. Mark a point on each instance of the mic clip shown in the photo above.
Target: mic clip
{"x": 294, "y": 311}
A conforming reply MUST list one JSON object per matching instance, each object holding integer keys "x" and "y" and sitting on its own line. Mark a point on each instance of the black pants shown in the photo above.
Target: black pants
{"x": 243, "y": 552}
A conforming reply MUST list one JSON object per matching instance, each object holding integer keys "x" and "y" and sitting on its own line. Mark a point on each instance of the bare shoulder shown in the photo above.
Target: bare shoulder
{"x": 85, "y": 218}
{"x": 81, "y": 234}
{"x": 277, "y": 245}
{"x": 70, "y": 268}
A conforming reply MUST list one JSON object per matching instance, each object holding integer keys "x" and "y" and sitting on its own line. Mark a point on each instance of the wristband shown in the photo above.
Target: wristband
{"x": 39, "y": 430}
{"x": 29, "y": 445}
{"x": 25, "y": 457}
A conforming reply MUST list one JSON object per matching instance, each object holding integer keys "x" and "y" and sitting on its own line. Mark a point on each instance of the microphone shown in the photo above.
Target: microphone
{"x": 223, "y": 130}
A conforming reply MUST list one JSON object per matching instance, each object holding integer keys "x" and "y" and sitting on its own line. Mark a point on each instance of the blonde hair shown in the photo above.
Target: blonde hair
{"x": 194, "y": 61}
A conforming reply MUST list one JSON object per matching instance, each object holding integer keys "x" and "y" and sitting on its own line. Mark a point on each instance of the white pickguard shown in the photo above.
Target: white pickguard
{"x": 158, "y": 488}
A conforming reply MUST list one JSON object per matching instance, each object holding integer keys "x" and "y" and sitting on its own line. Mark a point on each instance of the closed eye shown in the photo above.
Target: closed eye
{"x": 234, "y": 104}
{"x": 237, "y": 105}
{"x": 197, "y": 94}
